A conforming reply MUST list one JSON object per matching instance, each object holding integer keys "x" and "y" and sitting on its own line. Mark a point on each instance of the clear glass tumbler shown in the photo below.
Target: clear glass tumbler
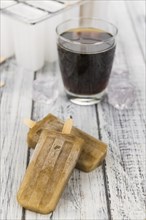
{"x": 86, "y": 49}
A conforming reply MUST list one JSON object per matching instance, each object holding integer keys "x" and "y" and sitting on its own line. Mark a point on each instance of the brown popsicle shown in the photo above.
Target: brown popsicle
{"x": 51, "y": 165}
{"x": 93, "y": 153}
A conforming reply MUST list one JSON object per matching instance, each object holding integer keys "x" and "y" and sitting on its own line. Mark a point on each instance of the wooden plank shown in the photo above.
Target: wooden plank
{"x": 84, "y": 196}
{"x": 137, "y": 10}
{"x": 125, "y": 130}
{"x": 97, "y": 9}
{"x": 15, "y": 105}
{"x": 86, "y": 9}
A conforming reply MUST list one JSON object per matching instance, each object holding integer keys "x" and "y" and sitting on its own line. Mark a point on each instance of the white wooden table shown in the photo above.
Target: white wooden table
{"x": 115, "y": 190}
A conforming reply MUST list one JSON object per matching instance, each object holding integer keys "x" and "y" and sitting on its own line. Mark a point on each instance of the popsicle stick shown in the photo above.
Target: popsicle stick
{"x": 2, "y": 59}
{"x": 2, "y": 84}
{"x": 67, "y": 126}
{"x": 29, "y": 123}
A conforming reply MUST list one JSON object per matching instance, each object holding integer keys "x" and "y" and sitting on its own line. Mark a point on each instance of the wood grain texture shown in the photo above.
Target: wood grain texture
{"x": 125, "y": 130}
{"x": 15, "y": 105}
{"x": 137, "y": 10}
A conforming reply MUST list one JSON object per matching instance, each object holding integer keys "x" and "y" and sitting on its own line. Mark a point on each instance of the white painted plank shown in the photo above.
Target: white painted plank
{"x": 137, "y": 12}
{"x": 125, "y": 130}
{"x": 95, "y": 8}
{"x": 15, "y": 105}
{"x": 84, "y": 196}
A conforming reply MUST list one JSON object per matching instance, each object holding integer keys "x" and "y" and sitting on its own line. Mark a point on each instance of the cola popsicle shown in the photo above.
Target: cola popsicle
{"x": 93, "y": 153}
{"x": 52, "y": 163}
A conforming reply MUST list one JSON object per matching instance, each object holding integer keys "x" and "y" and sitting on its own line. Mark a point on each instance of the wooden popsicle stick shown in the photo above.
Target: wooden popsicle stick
{"x": 67, "y": 126}
{"x": 2, "y": 84}
{"x": 2, "y": 59}
{"x": 29, "y": 123}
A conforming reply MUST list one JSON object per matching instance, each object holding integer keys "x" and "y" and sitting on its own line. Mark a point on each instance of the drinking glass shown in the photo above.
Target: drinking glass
{"x": 86, "y": 49}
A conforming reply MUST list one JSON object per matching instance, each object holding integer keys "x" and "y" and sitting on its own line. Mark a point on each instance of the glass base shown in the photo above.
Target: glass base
{"x": 85, "y": 99}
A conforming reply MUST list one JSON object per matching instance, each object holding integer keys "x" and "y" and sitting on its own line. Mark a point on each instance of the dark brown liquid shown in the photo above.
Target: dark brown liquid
{"x": 86, "y": 72}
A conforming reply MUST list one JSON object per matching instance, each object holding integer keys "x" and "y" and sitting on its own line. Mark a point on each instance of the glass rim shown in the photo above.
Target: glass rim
{"x": 88, "y": 18}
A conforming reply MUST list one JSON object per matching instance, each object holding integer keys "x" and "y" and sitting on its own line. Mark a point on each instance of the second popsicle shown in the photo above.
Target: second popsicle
{"x": 93, "y": 153}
